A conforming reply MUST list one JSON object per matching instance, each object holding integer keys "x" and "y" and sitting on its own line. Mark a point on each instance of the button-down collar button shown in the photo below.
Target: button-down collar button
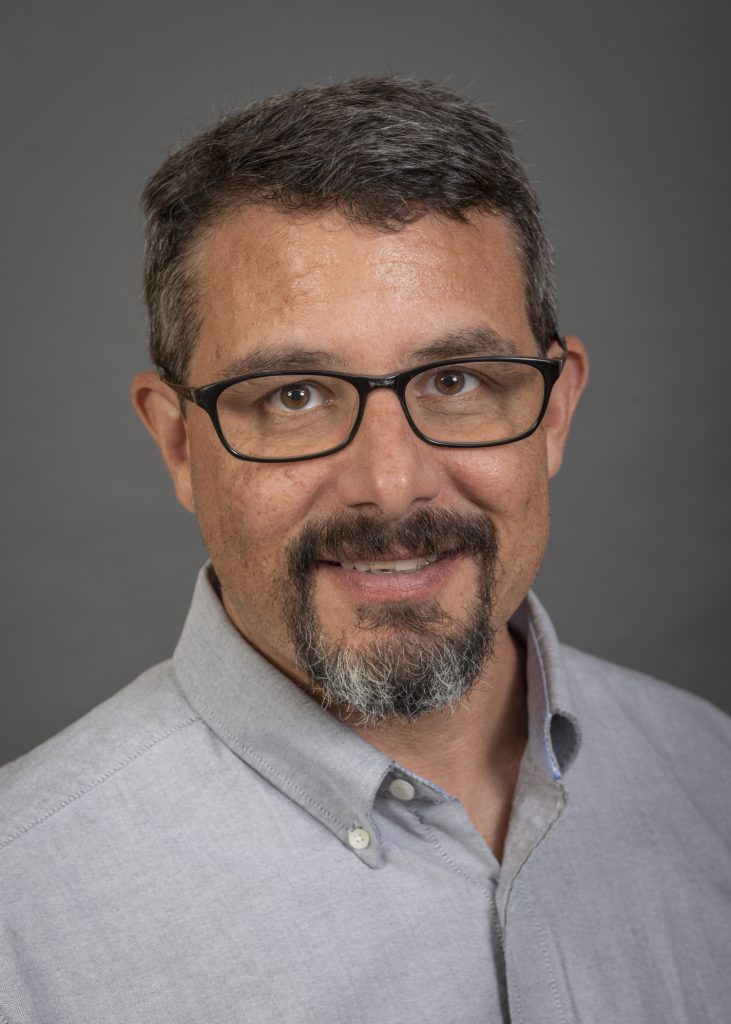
{"x": 402, "y": 789}
{"x": 358, "y": 838}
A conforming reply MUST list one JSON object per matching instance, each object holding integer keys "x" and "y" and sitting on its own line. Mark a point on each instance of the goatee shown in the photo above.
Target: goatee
{"x": 421, "y": 658}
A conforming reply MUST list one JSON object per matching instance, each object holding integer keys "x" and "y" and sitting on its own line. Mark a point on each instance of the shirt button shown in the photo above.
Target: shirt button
{"x": 402, "y": 789}
{"x": 358, "y": 838}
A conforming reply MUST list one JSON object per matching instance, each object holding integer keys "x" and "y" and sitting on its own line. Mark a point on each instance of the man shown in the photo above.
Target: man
{"x": 370, "y": 784}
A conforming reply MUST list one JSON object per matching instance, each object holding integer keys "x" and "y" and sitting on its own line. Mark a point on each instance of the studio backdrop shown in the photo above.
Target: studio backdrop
{"x": 621, "y": 112}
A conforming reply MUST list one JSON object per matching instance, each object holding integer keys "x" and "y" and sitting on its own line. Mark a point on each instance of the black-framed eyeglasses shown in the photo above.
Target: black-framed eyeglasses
{"x": 472, "y": 402}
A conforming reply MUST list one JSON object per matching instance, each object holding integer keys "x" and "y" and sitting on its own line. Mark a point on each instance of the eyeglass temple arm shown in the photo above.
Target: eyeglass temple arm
{"x": 179, "y": 389}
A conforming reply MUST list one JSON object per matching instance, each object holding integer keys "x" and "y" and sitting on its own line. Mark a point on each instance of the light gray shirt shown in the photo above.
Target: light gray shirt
{"x": 209, "y": 846}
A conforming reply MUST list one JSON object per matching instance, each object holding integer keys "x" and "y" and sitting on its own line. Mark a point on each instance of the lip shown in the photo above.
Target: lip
{"x": 418, "y": 585}
{"x": 383, "y": 556}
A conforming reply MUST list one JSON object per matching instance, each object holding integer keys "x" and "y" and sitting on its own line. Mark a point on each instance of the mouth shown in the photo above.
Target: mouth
{"x": 394, "y": 565}
{"x": 419, "y": 578}
{"x": 431, "y": 555}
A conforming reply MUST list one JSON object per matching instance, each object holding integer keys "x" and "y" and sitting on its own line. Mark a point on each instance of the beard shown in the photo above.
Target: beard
{"x": 421, "y": 658}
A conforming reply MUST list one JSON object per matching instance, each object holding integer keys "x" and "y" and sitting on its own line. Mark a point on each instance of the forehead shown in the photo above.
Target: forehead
{"x": 368, "y": 296}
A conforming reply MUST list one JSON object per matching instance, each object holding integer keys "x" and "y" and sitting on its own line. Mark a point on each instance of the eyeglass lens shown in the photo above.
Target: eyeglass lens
{"x": 293, "y": 415}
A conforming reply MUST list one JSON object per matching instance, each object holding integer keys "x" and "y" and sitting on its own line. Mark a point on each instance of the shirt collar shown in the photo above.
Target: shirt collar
{"x": 310, "y": 756}
{"x": 273, "y": 725}
{"x": 553, "y": 732}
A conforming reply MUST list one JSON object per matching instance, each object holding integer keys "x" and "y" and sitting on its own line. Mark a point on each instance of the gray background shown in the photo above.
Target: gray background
{"x": 621, "y": 111}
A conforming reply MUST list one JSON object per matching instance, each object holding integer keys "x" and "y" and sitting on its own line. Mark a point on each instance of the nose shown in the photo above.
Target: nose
{"x": 386, "y": 469}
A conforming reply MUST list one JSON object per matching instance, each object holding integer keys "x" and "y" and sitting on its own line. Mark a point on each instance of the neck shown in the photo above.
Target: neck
{"x": 474, "y": 752}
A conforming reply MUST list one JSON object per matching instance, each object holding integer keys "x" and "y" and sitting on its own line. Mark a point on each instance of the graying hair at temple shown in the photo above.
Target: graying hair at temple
{"x": 381, "y": 151}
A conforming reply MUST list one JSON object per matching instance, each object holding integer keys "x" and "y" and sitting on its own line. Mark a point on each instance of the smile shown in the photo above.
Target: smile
{"x": 420, "y": 578}
{"x": 397, "y": 565}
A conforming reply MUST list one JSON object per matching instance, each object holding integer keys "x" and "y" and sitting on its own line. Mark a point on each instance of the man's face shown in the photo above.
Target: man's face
{"x": 368, "y": 302}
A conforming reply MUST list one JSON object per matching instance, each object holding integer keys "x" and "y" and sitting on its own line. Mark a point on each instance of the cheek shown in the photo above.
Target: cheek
{"x": 510, "y": 484}
{"x": 248, "y": 511}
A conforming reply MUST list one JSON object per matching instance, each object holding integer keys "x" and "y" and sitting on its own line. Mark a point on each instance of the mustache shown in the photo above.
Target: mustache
{"x": 425, "y": 533}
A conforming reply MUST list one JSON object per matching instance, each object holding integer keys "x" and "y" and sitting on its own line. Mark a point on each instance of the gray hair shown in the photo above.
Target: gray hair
{"x": 381, "y": 151}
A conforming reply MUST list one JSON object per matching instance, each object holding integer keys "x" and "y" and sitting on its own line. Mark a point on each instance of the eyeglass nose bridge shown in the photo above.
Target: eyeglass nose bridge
{"x": 396, "y": 382}
{"x": 391, "y": 383}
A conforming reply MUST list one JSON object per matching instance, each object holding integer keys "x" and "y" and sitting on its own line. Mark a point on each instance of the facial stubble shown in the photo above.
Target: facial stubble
{"x": 420, "y": 658}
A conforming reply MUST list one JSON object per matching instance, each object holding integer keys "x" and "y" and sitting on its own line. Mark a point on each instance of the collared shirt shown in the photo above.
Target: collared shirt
{"x": 210, "y": 846}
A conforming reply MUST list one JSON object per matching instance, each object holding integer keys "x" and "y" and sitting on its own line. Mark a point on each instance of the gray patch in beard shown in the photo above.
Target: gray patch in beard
{"x": 427, "y": 660}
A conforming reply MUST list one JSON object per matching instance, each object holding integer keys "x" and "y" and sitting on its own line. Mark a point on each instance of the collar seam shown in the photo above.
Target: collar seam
{"x": 548, "y": 751}
{"x": 204, "y": 706}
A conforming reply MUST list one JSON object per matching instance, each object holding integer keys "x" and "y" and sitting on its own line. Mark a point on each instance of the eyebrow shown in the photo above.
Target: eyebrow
{"x": 264, "y": 360}
{"x": 473, "y": 342}
{"x": 481, "y": 341}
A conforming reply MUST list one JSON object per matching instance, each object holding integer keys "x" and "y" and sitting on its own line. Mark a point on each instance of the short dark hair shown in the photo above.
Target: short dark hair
{"x": 381, "y": 151}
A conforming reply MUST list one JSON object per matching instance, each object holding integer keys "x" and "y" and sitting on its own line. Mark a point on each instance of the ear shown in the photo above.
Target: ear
{"x": 159, "y": 409}
{"x": 564, "y": 399}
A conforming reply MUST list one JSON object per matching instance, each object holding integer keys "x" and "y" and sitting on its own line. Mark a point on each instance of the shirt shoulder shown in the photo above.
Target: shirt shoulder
{"x": 634, "y": 714}
{"x": 92, "y": 750}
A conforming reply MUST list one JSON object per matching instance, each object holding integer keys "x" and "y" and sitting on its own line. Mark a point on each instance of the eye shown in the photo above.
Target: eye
{"x": 451, "y": 382}
{"x": 295, "y": 397}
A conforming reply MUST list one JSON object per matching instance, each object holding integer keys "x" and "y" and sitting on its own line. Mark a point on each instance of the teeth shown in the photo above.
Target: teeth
{"x": 402, "y": 565}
